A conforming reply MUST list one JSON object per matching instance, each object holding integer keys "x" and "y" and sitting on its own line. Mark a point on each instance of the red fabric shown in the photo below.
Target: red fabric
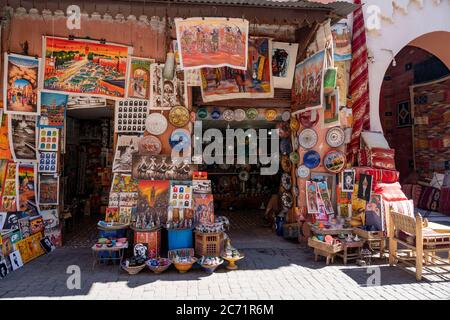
{"x": 407, "y": 190}
{"x": 378, "y": 175}
{"x": 415, "y": 193}
{"x": 362, "y": 158}
{"x": 382, "y": 153}
{"x": 382, "y": 163}
{"x": 444, "y": 204}
{"x": 390, "y": 191}
{"x": 359, "y": 83}
{"x": 429, "y": 199}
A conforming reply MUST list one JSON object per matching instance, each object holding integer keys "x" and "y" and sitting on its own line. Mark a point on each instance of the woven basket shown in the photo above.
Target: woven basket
{"x": 158, "y": 269}
{"x": 133, "y": 270}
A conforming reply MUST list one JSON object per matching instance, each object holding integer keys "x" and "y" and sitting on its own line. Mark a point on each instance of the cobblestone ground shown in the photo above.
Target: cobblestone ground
{"x": 272, "y": 269}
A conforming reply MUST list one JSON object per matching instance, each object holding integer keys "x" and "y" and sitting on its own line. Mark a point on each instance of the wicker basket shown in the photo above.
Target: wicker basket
{"x": 209, "y": 244}
{"x": 133, "y": 270}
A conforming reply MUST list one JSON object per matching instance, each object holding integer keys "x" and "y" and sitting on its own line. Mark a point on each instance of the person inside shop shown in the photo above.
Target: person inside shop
{"x": 273, "y": 207}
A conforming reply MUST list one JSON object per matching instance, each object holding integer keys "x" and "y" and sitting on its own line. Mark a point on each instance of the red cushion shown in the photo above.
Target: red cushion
{"x": 429, "y": 199}
{"x": 378, "y": 175}
{"x": 390, "y": 191}
{"x": 444, "y": 203}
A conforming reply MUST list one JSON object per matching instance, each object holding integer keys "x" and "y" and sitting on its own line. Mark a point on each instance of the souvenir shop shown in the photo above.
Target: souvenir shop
{"x": 106, "y": 120}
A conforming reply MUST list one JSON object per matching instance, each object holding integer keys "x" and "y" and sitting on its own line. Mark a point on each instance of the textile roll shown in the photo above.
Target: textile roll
{"x": 378, "y": 175}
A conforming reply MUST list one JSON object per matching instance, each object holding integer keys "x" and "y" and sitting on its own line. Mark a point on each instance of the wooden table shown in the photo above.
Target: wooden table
{"x": 331, "y": 231}
{"x": 346, "y": 255}
{"x": 110, "y": 250}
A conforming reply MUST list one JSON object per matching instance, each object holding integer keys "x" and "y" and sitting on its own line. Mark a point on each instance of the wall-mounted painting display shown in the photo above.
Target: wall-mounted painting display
{"x": 85, "y": 67}
{"x": 255, "y": 81}
{"x": 166, "y": 94}
{"x": 9, "y": 191}
{"x": 81, "y": 102}
{"x": 308, "y": 83}
{"x": 203, "y": 208}
{"x": 131, "y": 115}
{"x": 26, "y": 174}
{"x": 212, "y": 42}
{"x": 124, "y": 183}
{"x": 325, "y": 196}
{"x": 342, "y": 40}
{"x": 181, "y": 195}
{"x": 20, "y": 84}
{"x": 53, "y": 110}
{"x": 160, "y": 168}
{"x": 48, "y": 189}
{"x": 331, "y": 110}
{"x": 5, "y": 152}
{"x": 284, "y": 57}
{"x": 153, "y": 199}
{"x": 311, "y": 197}
{"x": 22, "y": 137}
{"x": 126, "y": 147}
{"x": 112, "y": 215}
{"x": 48, "y": 162}
{"x": 139, "y": 78}
{"x": 48, "y": 139}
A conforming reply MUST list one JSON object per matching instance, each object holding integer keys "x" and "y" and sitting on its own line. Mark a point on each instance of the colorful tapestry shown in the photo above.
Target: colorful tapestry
{"x": 308, "y": 83}
{"x": 139, "y": 78}
{"x": 20, "y": 94}
{"x": 26, "y": 173}
{"x": 85, "y": 67}
{"x": 284, "y": 57}
{"x": 22, "y": 137}
{"x": 53, "y": 110}
{"x": 212, "y": 42}
{"x": 255, "y": 82}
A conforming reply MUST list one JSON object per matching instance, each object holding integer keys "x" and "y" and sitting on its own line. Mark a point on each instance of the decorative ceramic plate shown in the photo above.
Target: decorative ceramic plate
{"x": 239, "y": 115}
{"x": 244, "y": 175}
{"x": 303, "y": 171}
{"x": 202, "y": 113}
{"x": 215, "y": 114}
{"x": 286, "y": 181}
{"x": 334, "y": 161}
{"x": 285, "y": 116}
{"x": 228, "y": 115}
{"x": 286, "y": 164}
{"x": 271, "y": 115}
{"x": 307, "y": 138}
{"x": 285, "y": 146}
{"x": 252, "y": 113}
{"x": 311, "y": 159}
{"x": 305, "y": 118}
{"x": 180, "y": 139}
{"x": 295, "y": 144}
{"x": 294, "y": 157}
{"x": 335, "y": 137}
{"x": 294, "y": 124}
{"x": 284, "y": 130}
{"x": 156, "y": 123}
{"x": 179, "y": 116}
{"x": 286, "y": 200}
{"x": 149, "y": 146}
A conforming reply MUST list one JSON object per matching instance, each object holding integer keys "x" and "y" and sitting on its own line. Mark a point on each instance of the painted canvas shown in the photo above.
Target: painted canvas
{"x": 49, "y": 189}
{"x": 22, "y": 137}
{"x": 126, "y": 147}
{"x": 124, "y": 183}
{"x": 9, "y": 191}
{"x": 139, "y": 78}
{"x": 16, "y": 260}
{"x": 84, "y": 102}
{"x": 180, "y": 195}
{"x": 47, "y": 245}
{"x": 212, "y": 42}
{"x": 112, "y": 215}
{"x": 311, "y": 197}
{"x": 284, "y": 57}
{"x": 55, "y": 235}
{"x": 51, "y": 219}
{"x": 154, "y": 199}
{"x": 201, "y": 186}
{"x": 374, "y": 215}
{"x": 53, "y": 110}
{"x": 364, "y": 187}
{"x": 308, "y": 83}
{"x": 5, "y": 152}
{"x": 128, "y": 199}
{"x": 16, "y": 236}
{"x": 160, "y": 167}
{"x": 12, "y": 220}
{"x": 48, "y": 139}
{"x": 37, "y": 224}
{"x": 30, "y": 247}
{"x": 325, "y": 196}
{"x": 348, "y": 180}
{"x": 255, "y": 81}
{"x": 3, "y": 167}
{"x": 3, "y": 268}
{"x": 342, "y": 40}
{"x": 26, "y": 174}
{"x": 47, "y": 162}
{"x": 85, "y": 67}
{"x": 343, "y": 75}
{"x": 125, "y": 214}
{"x": 24, "y": 226}
{"x": 21, "y": 75}
{"x": 331, "y": 110}
{"x": 203, "y": 208}
{"x": 166, "y": 94}
{"x": 2, "y": 219}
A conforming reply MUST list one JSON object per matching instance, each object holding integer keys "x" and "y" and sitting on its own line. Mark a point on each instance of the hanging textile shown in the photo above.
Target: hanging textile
{"x": 359, "y": 83}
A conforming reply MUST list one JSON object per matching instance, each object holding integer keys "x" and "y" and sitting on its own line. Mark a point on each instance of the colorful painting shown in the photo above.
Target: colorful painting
{"x": 48, "y": 139}
{"x": 374, "y": 215}
{"x": 85, "y": 67}
{"x": 26, "y": 173}
{"x": 48, "y": 162}
{"x": 311, "y": 197}
{"x": 160, "y": 167}
{"x": 112, "y": 215}
{"x": 166, "y": 94}
{"x": 30, "y": 247}
{"x": 49, "y": 189}
{"x": 24, "y": 226}
{"x": 284, "y": 57}
{"x": 212, "y": 42}
{"x": 128, "y": 199}
{"x": 364, "y": 187}
{"x": 20, "y": 81}
{"x": 124, "y": 183}
{"x": 255, "y": 81}
{"x": 55, "y": 235}
{"x": 5, "y": 152}
{"x": 342, "y": 40}
{"x": 51, "y": 219}
{"x": 324, "y": 193}
{"x": 127, "y": 146}
{"x": 139, "y": 78}
{"x": 9, "y": 191}
{"x": 154, "y": 199}
{"x": 125, "y": 215}
{"x": 181, "y": 195}
{"x": 37, "y": 224}
{"x": 204, "y": 208}
{"x": 53, "y": 110}
{"x": 22, "y": 137}
{"x": 308, "y": 82}
{"x": 331, "y": 110}
{"x": 131, "y": 115}
{"x": 3, "y": 167}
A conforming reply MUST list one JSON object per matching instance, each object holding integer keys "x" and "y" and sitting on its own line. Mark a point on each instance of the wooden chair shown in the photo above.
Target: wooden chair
{"x": 422, "y": 242}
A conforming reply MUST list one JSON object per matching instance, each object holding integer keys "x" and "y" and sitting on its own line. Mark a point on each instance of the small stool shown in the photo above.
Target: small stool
{"x": 347, "y": 254}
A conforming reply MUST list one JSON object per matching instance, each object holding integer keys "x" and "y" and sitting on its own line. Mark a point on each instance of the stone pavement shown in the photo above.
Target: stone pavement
{"x": 272, "y": 269}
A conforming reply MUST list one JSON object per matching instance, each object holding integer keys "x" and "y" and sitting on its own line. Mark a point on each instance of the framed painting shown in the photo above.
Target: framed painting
{"x": 139, "y": 78}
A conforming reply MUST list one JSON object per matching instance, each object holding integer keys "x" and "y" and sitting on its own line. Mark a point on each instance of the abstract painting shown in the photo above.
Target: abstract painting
{"x": 49, "y": 189}
{"x": 139, "y": 78}
{"x": 126, "y": 147}
{"x": 255, "y": 81}
{"x": 284, "y": 57}
{"x": 160, "y": 167}
{"x": 203, "y": 208}
{"x": 308, "y": 83}
{"x": 53, "y": 110}
{"x": 26, "y": 173}
{"x": 212, "y": 42}
{"x": 124, "y": 183}
{"x": 85, "y": 67}
{"x": 20, "y": 95}
{"x": 22, "y": 137}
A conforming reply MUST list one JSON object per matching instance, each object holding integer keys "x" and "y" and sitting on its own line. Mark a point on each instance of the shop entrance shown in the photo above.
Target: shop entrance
{"x": 86, "y": 171}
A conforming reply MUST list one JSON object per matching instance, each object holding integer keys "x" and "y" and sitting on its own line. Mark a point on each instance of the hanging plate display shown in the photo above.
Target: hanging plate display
{"x": 294, "y": 157}
{"x": 305, "y": 119}
{"x": 202, "y": 113}
{"x": 156, "y": 123}
{"x": 149, "y": 146}
{"x": 286, "y": 181}
{"x": 286, "y": 164}
{"x": 180, "y": 138}
{"x": 179, "y": 116}
{"x": 244, "y": 175}
{"x": 295, "y": 144}
{"x": 284, "y": 130}
{"x": 307, "y": 138}
{"x": 285, "y": 146}
{"x": 271, "y": 115}
{"x": 335, "y": 137}
{"x": 252, "y": 113}
{"x": 286, "y": 200}
{"x": 334, "y": 161}
{"x": 285, "y": 116}
{"x": 215, "y": 114}
{"x": 303, "y": 171}
{"x": 228, "y": 115}
{"x": 239, "y": 115}
{"x": 311, "y": 159}
{"x": 294, "y": 124}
